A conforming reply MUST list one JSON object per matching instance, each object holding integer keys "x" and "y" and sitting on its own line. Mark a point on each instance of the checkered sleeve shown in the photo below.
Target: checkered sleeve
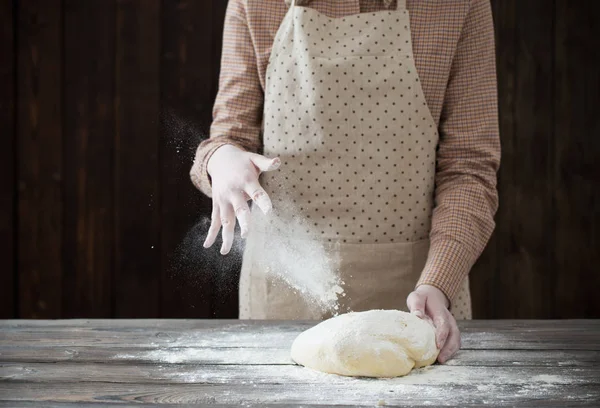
{"x": 468, "y": 157}
{"x": 237, "y": 112}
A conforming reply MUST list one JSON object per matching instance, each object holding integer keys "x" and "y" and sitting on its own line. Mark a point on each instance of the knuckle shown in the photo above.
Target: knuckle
{"x": 242, "y": 209}
{"x": 226, "y": 221}
{"x": 258, "y": 193}
{"x": 414, "y": 296}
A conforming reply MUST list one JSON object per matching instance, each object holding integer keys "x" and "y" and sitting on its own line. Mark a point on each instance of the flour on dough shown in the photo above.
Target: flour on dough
{"x": 375, "y": 343}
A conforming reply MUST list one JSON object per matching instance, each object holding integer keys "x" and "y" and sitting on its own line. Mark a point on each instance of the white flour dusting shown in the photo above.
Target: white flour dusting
{"x": 427, "y": 386}
{"x": 549, "y": 379}
{"x": 297, "y": 258}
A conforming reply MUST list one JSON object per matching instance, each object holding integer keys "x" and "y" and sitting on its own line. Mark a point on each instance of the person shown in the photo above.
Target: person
{"x": 378, "y": 120}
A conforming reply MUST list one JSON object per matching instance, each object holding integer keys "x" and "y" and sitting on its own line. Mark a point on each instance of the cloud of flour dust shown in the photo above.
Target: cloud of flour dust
{"x": 196, "y": 271}
{"x": 196, "y": 263}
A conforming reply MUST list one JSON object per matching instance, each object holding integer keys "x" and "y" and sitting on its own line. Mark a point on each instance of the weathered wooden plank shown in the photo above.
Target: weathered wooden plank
{"x": 49, "y": 404}
{"x": 40, "y": 158}
{"x": 137, "y": 271}
{"x": 178, "y": 355}
{"x": 525, "y": 180}
{"x": 280, "y": 337}
{"x": 273, "y": 356}
{"x": 165, "y": 373}
{"x": 7, "y": 160}
{"x": 577, "y": 153}
{"x": 486, "y": 293}
{"x": 185, "y": 115}
{"x": 297, "y": 385}
{"x": 589, "y": 326}
{"x": 89, "y": 134}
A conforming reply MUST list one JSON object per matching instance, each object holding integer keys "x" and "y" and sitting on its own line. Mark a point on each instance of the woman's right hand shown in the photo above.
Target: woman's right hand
{"x": 234, "y": 175}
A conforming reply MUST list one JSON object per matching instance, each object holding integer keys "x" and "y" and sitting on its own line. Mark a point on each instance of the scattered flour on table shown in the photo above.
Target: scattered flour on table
{"x": 428, "y": 386}
{"x": 550, "y": 379}
{"x": 297, "y": 258}
{"x": 178, "y": 362}
{"x": 171, "y": 356}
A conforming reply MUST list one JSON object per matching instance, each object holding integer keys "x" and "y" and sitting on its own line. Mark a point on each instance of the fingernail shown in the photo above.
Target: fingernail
{"x": 264, "y": 204}
{"x": 266, "y": 208}
{"x": 275, "y": 164}
{"x": 418, "y": 313}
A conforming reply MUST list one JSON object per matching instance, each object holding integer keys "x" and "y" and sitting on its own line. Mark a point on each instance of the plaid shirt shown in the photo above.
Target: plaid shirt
{"x": 453, "y": 44}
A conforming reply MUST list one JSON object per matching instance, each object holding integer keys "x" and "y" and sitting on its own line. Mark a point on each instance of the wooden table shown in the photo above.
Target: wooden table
{"x": 147, "y": 362}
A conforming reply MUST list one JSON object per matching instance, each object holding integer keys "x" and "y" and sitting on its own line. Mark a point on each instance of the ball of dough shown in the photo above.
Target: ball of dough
{"x": 375, "y": 343}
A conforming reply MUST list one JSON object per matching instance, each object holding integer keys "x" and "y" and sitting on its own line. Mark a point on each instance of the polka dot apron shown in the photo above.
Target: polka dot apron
{"x": 345, "y": 112}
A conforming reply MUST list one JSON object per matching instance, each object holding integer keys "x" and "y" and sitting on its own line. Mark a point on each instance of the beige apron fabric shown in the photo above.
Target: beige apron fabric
{"x": 345, "y": 112}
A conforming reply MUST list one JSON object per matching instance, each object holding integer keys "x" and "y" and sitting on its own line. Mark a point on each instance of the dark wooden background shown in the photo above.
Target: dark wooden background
{"x": 103, "y": 102}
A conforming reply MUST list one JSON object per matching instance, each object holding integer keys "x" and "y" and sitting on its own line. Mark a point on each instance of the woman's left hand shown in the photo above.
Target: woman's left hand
{"x": 428, "y": 302}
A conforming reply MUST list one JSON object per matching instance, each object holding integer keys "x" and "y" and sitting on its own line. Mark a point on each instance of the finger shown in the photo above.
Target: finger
{"x": 416, "y": 304}
{"x": 265, "y": 164}
{"x": 228, "y": 222}
{"x": 242, "y": 213}
{"x": 259, "y": 196}
{"x": 452, "y": 344}
{"x": 442, "y": 327}
{"x": 215, "y": 226}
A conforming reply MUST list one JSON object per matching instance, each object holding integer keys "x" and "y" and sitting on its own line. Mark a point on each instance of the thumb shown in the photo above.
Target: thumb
{"x": 263, "y": 163}
{"x": 416, "y": 304}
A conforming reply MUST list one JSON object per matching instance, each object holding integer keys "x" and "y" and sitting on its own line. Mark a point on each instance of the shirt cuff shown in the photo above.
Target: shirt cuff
{"x": 448, "y": 264}
{"x": 199, "y": 172}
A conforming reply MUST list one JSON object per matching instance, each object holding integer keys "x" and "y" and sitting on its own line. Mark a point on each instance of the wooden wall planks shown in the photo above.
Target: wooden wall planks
{"x": 40, "y": 157}
{"x": 107, "y": 100}
{"x": 542, "y": 260}
{"x": 7, "y": 159}
{"x": 523, "y": 241}
{"x": 89, "y": 47}
{"x": 577, "y": 154}
{"x": 137, "y": 190}
{"x": 186, "y": 105}
{"x": 527, "y": 249}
